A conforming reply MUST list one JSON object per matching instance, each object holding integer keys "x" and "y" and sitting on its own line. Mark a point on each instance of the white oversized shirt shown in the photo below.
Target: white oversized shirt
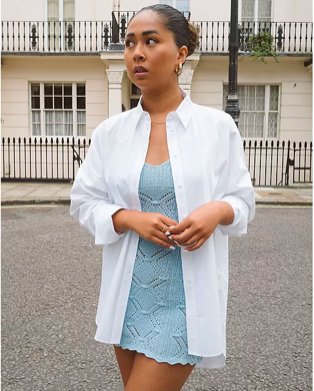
{"x": 207, "y": 162}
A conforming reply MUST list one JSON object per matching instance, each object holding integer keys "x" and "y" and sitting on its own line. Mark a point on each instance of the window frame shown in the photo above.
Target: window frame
{"x": 42, "y": 109}
{"x": 266, "y": 112}
{"x": 174, "y": 5}
{"x": 256, "y": 18}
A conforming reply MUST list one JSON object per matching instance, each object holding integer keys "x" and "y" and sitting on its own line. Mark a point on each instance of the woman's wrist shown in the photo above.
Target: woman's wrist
{"x": 121, "y": 220}
{"x": 225, "y": 213}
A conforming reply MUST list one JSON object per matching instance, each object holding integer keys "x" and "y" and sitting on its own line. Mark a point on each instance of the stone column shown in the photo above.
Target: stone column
{"x": 115, "y": 72}
{"x": 115, "y": 91}
{"x": 185, "y": 79}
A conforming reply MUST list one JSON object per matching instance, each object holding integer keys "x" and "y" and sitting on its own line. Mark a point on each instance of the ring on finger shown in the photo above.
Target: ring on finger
{"x": 165, "y": 228}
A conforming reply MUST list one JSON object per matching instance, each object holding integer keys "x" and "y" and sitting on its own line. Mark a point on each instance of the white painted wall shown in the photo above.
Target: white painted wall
{"x": 292, "y": 10}
{"x": 18, "y": 72}
{"x": 31, "y": 10}
{"x": 294, "y": 80}
{"x": 211, "y": 10}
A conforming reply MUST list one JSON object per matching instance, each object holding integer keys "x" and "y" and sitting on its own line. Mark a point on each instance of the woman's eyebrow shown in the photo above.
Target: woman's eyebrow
{"x": 147, "y": 32}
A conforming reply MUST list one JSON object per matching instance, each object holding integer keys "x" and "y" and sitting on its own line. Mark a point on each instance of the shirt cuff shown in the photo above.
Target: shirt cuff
{"x": 241, "y": 217}
{"x": 104, "y": 228}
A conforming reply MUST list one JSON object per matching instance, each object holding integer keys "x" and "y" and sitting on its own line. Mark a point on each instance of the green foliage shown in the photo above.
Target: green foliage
{"x": 261, "y": 46}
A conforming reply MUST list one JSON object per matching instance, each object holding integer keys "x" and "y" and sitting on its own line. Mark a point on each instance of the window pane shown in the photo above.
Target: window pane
{"x": 48, "y": 102}
{"x": 273, "y": 99}
{"x": 272, "y": 125}
{"x": 259, "y": 125}
{"x": 68, "y": 10}
{"x": 80, "y": 89}
{"x": 68, "y": 117}
{"x": 135, "y": 90}
{"x": 248, "y": 10}
{"x": 68, "y": 102}
{"x": 58, "y": 102}
{"x": 53, "y": 9}
{"x": 260, "y": 98}
{"x": 49, "y": 117}
{"x": 81, "y": 117}
{"x": 48, "y": 89}
{"x": 57, "y": 89}
{"x": 68, "y": 89}
{"x": 264, "y": 10}
{"x": 81, "y": 127}
{"x": 250, "y": 98}
{"x": 35, "y": 89}
{"x": 81, "y": 103}
{"x": 36, "y": 126}
{"x": 36, "y": 102}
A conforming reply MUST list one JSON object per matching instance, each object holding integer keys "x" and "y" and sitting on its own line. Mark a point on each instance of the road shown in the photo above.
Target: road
{"x": 50, "y": 286}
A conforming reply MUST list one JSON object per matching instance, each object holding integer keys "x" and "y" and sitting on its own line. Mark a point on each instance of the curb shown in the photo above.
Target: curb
{"x": 66, "y": 201}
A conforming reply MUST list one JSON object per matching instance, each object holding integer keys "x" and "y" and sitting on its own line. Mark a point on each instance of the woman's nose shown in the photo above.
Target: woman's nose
{"x": 138, "y": 54}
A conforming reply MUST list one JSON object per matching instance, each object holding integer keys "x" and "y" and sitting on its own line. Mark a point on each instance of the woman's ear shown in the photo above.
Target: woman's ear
{"x": 183, "y": 52}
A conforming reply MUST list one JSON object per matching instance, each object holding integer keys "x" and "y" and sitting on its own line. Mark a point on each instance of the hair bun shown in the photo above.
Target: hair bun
{"x": 194, "y": 38}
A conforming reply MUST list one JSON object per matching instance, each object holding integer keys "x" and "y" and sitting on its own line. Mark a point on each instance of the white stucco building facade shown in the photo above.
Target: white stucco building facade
{"x": 61, "y": 75}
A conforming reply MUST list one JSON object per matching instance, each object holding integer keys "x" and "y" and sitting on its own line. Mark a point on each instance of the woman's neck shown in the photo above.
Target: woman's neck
{"x": 161, "y": 103}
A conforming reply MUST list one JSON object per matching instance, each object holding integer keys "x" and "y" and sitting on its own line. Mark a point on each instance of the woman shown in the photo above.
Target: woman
{"x": 161, "y": 188}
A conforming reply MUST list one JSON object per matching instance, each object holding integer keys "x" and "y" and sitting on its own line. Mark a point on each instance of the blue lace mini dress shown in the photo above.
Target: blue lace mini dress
{"x": 155, "y": 319}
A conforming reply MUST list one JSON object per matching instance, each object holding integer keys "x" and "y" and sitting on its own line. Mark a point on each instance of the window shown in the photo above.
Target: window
{"x": 256, "y": 10}
{"x": 259, "y": 110}
{"x": 181, "y": 5}
{"x": 135, "y": 96}
{"x": 58, "y": 109}
{"x": 60, "y": 16}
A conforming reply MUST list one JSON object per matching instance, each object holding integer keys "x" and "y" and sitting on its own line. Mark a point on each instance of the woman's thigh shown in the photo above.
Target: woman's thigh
{"x": 149, "y": 375}
{"x": 125, "y": 360}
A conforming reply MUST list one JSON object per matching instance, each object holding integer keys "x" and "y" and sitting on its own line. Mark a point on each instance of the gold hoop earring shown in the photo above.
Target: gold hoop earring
{"x": 178, "y": 69}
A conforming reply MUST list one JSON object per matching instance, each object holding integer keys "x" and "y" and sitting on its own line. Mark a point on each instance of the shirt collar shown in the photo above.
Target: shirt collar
{"x": 183, "y": 112}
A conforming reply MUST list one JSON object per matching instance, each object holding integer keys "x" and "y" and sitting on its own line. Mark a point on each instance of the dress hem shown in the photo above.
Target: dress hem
{"x": 157, "y": 359}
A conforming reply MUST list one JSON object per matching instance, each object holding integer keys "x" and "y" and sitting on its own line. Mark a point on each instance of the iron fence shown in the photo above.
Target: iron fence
{"x": 270, "y": 163}
{"x": 43, "y": 159}
{"x": 95, "y": 36}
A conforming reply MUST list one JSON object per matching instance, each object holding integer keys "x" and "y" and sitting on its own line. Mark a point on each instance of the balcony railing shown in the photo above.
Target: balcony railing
{"x": 91, "y": 37}
{"x": 274, "y": 163}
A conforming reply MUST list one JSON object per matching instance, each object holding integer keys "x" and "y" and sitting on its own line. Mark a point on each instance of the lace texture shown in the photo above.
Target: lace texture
{"x": 155, "y": 320}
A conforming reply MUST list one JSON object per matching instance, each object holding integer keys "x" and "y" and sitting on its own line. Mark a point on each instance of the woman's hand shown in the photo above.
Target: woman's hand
{"x": 196, "y": 228}
{"x": 150, "y": 226}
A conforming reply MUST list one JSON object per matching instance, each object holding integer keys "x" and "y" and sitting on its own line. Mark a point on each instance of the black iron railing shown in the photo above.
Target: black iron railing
{"x": 95, "y": 36}
{"x": 279, "y": 163}
{"x": 271, "y": 163}
{"x": 42, "y": 159}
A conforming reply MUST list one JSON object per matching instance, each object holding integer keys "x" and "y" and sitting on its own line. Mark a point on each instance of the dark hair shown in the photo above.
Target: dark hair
{"x": 184, "y": 32}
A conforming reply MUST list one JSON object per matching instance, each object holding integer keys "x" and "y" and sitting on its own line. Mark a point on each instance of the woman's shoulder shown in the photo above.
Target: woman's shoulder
{"x": 211, "y": 112}
{"x": 115, "y": 121}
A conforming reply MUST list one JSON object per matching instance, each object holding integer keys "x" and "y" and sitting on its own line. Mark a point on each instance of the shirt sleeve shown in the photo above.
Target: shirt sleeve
{"x": 239, "y": 192}
{"x": 90, "y": 203}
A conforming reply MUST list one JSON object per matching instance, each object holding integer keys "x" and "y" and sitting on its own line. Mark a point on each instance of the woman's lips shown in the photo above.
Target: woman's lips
{"x": 140, "y": 72}
{"x": 139, "y": 69}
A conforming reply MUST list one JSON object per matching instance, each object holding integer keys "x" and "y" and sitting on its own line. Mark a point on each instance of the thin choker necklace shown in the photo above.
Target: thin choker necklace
{"x": 157, "y": 123}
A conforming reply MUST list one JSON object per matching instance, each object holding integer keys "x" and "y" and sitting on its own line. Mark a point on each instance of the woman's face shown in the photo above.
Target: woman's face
{"x": 151, "y": 54}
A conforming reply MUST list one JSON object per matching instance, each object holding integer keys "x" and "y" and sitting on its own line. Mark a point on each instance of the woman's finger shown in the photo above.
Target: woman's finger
{"x": 195, "y": 245}
{"x": 179, "y": 227}
{"x": 184, "y": 237}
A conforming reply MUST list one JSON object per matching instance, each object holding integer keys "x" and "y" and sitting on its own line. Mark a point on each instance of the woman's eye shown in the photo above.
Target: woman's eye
{"x": 151, "y": 41}
{"x": 129, "y": 44}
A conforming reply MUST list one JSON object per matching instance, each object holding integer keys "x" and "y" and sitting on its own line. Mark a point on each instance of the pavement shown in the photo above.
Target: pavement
{"x": 50, "y": 276}
{"x": 13, "y": 193}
